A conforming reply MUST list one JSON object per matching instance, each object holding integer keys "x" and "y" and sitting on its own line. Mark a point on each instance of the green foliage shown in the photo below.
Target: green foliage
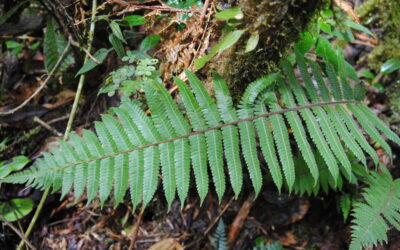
{"x": 379, "y": 209}
{"x": 227, "y": 41}
{"x": 117, "y": 45}
{"x": 345, "y": 205}
{"x": 14, "y": 46}
{"x": 260, "y": 244}
{"x": 16, "y": 209}
{"x": 11, "y": 12}
{"x": 129, "y": 78}
{"x": 149, "y": 42}
{"x": 135, "y": 20}
{"x": 390, "y": 66}
{"x": 321, "y": 123}
{"x": 337, "y": 24}
{"x": 231, "y": 13}
{"x": 100, "y": 55}
{"x": 53, "y": 46}
{"x": 17, "y": 163}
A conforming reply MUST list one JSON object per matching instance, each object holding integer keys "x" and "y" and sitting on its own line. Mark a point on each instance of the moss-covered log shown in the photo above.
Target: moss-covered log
{"x": 278, "y": 24}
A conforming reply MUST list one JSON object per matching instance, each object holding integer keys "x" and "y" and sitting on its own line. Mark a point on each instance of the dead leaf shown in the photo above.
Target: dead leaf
{"x": 167, "y": 244}
{"x": 289, "y": 239}
{"x": 61, "y": 98}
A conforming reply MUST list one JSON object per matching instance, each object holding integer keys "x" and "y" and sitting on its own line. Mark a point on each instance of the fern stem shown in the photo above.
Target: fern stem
{"x": 83, "y": 76}
{"x": 251, "y": 118}
{"x": 70, "y": 120}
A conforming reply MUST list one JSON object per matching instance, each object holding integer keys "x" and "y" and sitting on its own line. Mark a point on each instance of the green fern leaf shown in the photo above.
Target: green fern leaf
{"x": 213, "y": 137}
{"x": 347, "y": 91}
{"x": 182, "y": 149}
{"x": 95, "y": 150}
{"x": 369, "y": 127}
{"x": 121, "y": 142}
{"x": 249, "y": 149}
{"x": 379, "y": 124}
{"x": 263, "y": 126}
{"x": 197, "y": 142}
{"x": 335, "y": 117}
{"x": 135, "y": 157}
{"x": 355, "y": 131}
{"x": 311, "y": 122}
{"x": 381, "y": 207}
{"x": 229, "y": 133}
{"x": 107, "y": 165}
{"x": 81, "y": 171}
{"x": 330, "y": 134}
{"x": 130, "y": 146}
{"x": 299, "y": 132}
{"x": 53, "y": 46}
{"x": 336, "y": 90}
{"x": 167, "y": 151}
{"x": 150, "y": 175}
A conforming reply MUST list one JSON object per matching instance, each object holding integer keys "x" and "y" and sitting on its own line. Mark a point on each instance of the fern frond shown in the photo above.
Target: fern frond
{"x": 249, "y": 149}
{"x": 213, "y": 137}
{"x": 107, "y": 165}
{"x": 129, "y": 147}
{"x": 311, "y": 122}
{"x": 299, "y": 132}
{"x": 81, "y": 171}
{"x": 380, "y": 209}
{"x": 230, "y": 133}
{"x": 340, "y": 126}
{"x": 329, "y": 132}
{"x": 281, "y": 136}
{"x": 369, "y": 128}
{"x": 197, "y": 142}
{"x": 263, "y": 126}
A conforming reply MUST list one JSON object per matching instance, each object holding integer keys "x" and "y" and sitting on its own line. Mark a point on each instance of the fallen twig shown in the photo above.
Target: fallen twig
{"x": 218, "y": 217}
{"x": 46, "y": 126}
{"x": 134, "y": 231}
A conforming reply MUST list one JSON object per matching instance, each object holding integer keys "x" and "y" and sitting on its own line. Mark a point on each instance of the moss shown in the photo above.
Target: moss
{"x": 384, "y": 16}
{"x": 384, "y": 51}
{"x": 278, "y": 24}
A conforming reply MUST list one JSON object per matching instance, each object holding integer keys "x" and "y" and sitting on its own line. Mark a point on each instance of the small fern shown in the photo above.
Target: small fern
{"x": 130, "y": 148}
{"x": 380, "y": 209}
{"x": 218, "y": 238}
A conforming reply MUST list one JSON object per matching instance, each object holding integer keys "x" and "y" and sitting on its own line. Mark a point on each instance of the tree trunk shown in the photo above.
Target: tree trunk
{"x": 278, "y": 24}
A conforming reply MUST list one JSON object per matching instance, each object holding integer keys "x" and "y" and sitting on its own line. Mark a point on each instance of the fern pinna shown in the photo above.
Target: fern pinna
{"x": 130, "y": 149}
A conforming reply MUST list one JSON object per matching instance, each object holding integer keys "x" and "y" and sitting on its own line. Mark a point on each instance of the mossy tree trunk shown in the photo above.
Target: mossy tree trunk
{"x": 278, "y": 24}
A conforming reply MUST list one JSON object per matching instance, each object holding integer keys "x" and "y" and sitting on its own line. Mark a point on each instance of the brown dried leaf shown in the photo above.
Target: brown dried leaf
{"x": 167, "y": 244}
